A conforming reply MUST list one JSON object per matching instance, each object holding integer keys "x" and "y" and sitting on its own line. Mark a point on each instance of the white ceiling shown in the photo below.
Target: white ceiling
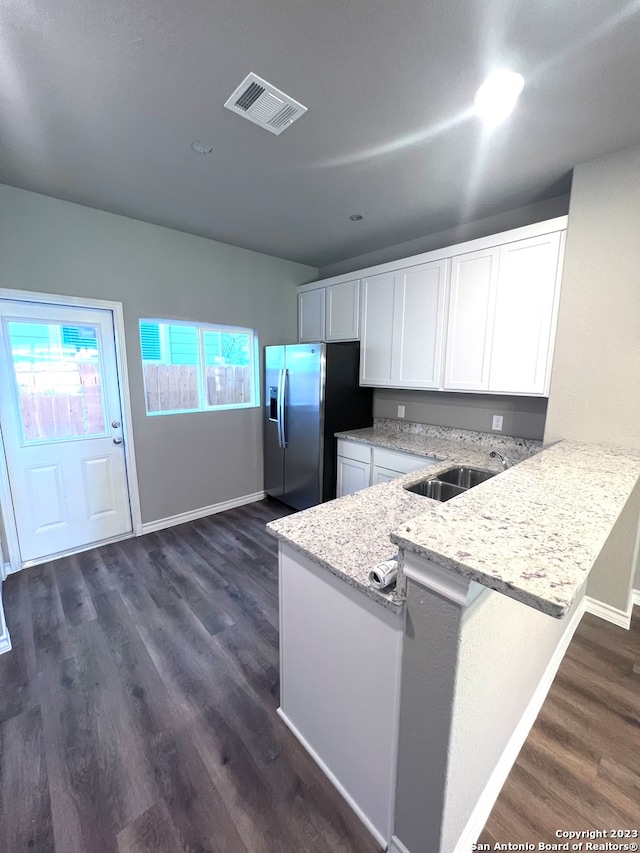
{"x": 101, "y": 99}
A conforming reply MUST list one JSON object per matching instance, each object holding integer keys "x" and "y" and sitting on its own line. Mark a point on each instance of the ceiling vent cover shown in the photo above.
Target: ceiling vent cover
{"x": 264, "y": 105}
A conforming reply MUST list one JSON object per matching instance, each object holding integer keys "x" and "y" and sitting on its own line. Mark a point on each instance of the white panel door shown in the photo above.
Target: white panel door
{"x": 352, "y": 476}
{"x": 378, "y": 300}
{"x": 311, "y": 316}
{"x": 524, "y": 315}
{"x": 61, "y": 424}
{"x": 471, "y": 307}
{"x": 343, "y": 311}
{"x": 420, "y": 295}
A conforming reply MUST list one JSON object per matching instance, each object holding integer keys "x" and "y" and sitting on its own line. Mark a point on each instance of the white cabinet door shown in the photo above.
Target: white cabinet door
{"x": 418, "y": 339}
{"x": 383, "y": 475}
{"x": 378, "y": 296}
{"x": 353, "y": 475}
{"x": 311, "y": 308}
{"x": 474, "y": 279}
{"x": 524, "y": 312}
{"x": 343, "y": 311}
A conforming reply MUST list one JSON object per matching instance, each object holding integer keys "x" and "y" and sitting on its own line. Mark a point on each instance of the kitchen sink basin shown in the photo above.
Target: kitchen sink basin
{"x": 450, "y": 483}
{"x": 435, "y": 490}
{"x": 465, "y": 477}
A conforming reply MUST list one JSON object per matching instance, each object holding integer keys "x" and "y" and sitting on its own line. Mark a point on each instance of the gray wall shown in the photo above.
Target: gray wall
{"x": 523, "y": 416}
{"x": 595, "y": 379}
{"x": 184, "y": 461}
{"x": 471, "y": 231}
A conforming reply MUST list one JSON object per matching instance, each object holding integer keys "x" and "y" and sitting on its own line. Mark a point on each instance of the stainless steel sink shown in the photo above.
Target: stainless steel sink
{"x": 450, "y": 483}
{"x": 435, "y": 490}
{"x": 465, "y": 477}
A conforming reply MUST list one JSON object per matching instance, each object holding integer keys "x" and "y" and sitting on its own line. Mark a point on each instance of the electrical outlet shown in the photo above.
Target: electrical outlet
{"x": 497, "y": 422}
{"x": 401, "y": 411}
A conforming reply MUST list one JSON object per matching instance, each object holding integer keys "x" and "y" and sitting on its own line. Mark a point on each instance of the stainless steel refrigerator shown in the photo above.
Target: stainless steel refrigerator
{"x": 311, "y": 392}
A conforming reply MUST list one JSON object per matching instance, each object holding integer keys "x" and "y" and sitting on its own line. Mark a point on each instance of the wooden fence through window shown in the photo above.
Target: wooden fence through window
{"x": 174, "y": 387}
{"x": 64, "y": 399}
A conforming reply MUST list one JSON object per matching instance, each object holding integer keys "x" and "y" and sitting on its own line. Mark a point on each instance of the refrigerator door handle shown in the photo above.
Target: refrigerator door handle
{"x": 282, "y": 395}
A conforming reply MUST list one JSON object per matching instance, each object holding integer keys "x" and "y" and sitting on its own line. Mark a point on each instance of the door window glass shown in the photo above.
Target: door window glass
{"x": 58, "y": 378}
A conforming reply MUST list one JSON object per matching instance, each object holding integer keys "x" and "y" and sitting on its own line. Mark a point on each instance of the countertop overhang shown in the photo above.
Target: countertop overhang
{"x": 532, "y": 533}
{"x": 535, "y": 532}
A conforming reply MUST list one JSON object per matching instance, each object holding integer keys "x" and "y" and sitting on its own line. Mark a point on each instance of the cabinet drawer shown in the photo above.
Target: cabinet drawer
{"x": 353, "y": 450}
{"x": 404, "y": 463}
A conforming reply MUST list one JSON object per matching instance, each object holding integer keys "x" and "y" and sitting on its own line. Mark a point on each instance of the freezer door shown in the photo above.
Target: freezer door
{"x": 304, "y": 369}
{"x": 273, "y": 413}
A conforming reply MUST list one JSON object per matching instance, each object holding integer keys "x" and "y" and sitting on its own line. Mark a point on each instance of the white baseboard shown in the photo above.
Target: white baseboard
{"x": 334, "y": 781}
{"x": 487, "y": 800}
{"x": 636, "y": 597}
{"x": 5, "y": 639}
{"x": 192, "y": 515}
{"x": 622, "y": 618}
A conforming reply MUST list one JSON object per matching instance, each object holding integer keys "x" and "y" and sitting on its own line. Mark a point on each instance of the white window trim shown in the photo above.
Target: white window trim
{"x": 201, "y": 365}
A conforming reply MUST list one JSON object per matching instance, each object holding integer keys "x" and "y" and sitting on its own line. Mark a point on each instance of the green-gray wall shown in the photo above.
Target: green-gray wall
{"x": 184, "y": 461}
{"x": 596, "y": 370}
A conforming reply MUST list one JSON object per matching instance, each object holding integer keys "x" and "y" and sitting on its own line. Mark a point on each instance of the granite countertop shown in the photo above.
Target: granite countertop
{"x": 440, "y": 442}
{"x": 350, "y": 535}
{"x": 534, "y": 532}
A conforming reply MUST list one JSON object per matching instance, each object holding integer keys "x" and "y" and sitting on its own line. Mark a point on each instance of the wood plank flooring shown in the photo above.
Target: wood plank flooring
{"x": 137, "y": 712}
{"x": 137, "y": 707}
{"x": 580, "y": 766}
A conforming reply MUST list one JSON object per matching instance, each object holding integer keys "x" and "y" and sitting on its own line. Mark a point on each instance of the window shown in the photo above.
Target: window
{"x": 189, "y": 367}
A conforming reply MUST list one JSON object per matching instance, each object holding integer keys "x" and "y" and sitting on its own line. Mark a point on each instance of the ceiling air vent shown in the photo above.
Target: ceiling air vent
{"x": 264, "y": 105}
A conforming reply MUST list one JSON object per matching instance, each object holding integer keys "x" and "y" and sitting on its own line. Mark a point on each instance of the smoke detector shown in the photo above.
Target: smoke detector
{"x": 264, "y": 105}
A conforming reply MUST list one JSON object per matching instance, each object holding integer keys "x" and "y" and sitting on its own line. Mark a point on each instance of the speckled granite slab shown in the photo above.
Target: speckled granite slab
{"x": 350, "y": 535}
{"x": 534, "y": 532}
{"x": 441, "y": 443}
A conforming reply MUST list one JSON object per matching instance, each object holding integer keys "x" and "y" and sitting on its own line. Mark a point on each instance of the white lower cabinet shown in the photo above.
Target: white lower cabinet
{"x": 362, "y": 465}
{"x": 382, "y": 475}
{"x": 340, "y": 682}
{"x": 354, "y": 467}
{"x": 353, "y": 475}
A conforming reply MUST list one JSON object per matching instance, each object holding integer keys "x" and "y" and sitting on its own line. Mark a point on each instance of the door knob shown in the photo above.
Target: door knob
{"x": 117, "y": 440}
{"x": 115, "y": 424}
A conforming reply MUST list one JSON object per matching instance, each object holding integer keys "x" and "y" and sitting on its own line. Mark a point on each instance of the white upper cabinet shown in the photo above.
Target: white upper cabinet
{"x": 471, "y": 305}
{"x": 402, "y": 327}
{"x": 419, "y": 333}
{"x": 524, "y": 313}
{"x": 330, "y": 313}
{"x": 501, "y": 316}
{"x": 343, "y": 311}
{"x": 311, "y": 311}
{"x": 477, "y": 317}
{"x": 376, "y": 348}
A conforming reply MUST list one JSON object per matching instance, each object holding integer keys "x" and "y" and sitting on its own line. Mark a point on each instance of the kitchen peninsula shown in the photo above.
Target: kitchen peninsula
{"x": 416, "y": 702}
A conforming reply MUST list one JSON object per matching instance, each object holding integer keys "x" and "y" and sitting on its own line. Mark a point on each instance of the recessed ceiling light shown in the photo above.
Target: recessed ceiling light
{"x": 201, "y": 147}
{"x": 356, "y": 217}
{"x": 497, "y": 96}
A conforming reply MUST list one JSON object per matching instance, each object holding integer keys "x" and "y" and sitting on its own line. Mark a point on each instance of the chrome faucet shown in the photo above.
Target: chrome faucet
{"x": 495, "y": 454}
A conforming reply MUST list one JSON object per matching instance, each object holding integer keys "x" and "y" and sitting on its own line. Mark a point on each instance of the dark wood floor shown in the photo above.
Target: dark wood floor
{"x": 137, "y": 707}
{"x": 137, "y": 712}
{"x": 580, "y": 765}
